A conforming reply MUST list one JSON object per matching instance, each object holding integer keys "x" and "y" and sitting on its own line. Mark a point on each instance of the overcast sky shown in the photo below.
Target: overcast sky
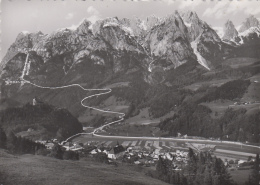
{"x": 49, "y": 15}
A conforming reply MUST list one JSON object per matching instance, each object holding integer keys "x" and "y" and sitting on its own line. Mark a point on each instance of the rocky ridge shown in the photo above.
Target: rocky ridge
{"x": 169, "y": 38}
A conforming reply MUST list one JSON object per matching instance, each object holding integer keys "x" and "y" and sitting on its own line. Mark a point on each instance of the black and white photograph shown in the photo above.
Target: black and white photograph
{"x": 130, "y": 92}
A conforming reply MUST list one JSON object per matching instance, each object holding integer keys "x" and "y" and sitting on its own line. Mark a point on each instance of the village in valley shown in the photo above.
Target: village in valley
{"x": 143, "y": 152}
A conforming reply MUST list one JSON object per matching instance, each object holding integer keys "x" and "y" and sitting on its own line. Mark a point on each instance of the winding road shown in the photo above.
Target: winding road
{"x": 107, "y": 90}
{"x": 121, "y": 116}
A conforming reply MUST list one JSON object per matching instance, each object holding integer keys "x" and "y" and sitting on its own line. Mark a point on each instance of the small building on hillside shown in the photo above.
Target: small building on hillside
{"x": 116, "y": 152}
{"x": 36, "y": 101}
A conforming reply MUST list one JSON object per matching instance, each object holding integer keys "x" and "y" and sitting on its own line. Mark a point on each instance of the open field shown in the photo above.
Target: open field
{"x": 220, "y": 106}
{"x": 240, "y": 62}
{"x": 39, "y": 170}
{"x": 211, "y": 83}
{"x": 138, "y": 130}
{"x": 119, "y": 84}
{"x": 143, "y": 118}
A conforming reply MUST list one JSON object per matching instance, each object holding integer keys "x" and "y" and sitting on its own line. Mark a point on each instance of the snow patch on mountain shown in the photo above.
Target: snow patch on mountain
{"x": 150, "y": 67}
{"x": 187, "y": 24}
{"x": 113, "y": 24}
{"x": 238, "y": 27}
{"x": 73, "y": 27}
{"x": 250, "y": 31}
{"x": 128, "y": 30}
{"x": 25, "y": 32}
{"x": 241, "y": 41}
{"x": 26, "y": 67}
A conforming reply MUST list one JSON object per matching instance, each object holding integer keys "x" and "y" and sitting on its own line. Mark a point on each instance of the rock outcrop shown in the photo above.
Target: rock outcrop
{"x": 170, "y": 41}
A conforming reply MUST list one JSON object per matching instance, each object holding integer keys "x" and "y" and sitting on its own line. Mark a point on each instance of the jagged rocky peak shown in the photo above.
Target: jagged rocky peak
{"x": 194, "y": 24}
{"x": 84, "y": 27}
{"x": 202, "y": 38}
{"x": 108, "y": 22}
{"x": 24, "y": 41}
{"x": 250, "y": 22}
{"x": 119, "y": 40}
{"x": 190, "y": 16}
{"x": 152, "y": 21}
{"x": 230, "y": 31}
{"x": 137, "y": 26}
{"x": 27, "y": 39}
{"x": 169, "y": 38}
{"x": 111, "y": 21}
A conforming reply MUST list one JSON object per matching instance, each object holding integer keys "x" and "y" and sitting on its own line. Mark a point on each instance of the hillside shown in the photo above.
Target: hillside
{"x": 46, "y": 170}
{"x": 40, "y": 122}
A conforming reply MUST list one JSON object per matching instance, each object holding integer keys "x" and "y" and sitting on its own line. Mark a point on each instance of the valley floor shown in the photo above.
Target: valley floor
{"x": 227, "y": 149}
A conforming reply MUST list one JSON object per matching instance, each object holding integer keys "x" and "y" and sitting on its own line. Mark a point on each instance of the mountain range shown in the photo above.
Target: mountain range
{"x": 176, "y": 38}
{"x": 151, "y": 55}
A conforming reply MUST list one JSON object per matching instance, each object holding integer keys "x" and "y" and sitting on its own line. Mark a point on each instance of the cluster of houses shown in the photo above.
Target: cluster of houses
{"x": 141, "y": 155}
{"x": 67, "y": 145}
{"x": 10, "y": 82}
{"x": 133, "y": 154}
{"x": 48, "y": 143}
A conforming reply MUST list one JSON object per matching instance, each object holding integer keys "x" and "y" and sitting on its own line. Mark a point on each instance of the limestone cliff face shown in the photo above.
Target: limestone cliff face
{"x": 205, "y": 42}
{"x": 170, "y": 40}
{"x": 194, "y": 25}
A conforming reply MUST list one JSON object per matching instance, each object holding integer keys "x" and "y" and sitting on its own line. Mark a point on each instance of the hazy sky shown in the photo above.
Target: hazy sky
{"x": 49, "y": 15}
